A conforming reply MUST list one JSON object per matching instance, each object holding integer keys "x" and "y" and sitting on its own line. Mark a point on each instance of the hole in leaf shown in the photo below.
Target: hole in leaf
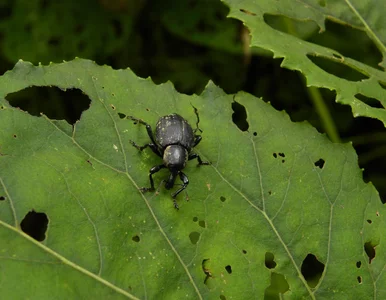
{"x": 35, "y": 225}
{"x": 294, "y": 27}
{"x": 121, "y": 115}
{"x": 222, "y": 198}
{"x": 282, "y": 154}
{"x": 202, "y": 224}
{"x": 370, "y": 251}
{"x": 229, "y": 269}
{"x": 274, "y": 155}
{"x": 194, "y": 237}
{"x": 359, "y": 263}
{"x": 195, "y": 219}
{"x": 283, "y": 161}
{"x": 53, "y": 102}
{"x": 244, "y": 251}
{"x": 369, "y": 101}
{"x": 382, "y": 84}
{"x": 112, "y": 106}
{"x": 269, "y": 260}
{"x": 341, "y": 38}
{"x": 2, "y": 198}
{"x": 312, "y": 270}
{"x": 369, "y": 221}
{"x": 136, "y": 238}
{"x": 269, "y": 192}
{"x": 255, "y": 133}
{"x": 279, "y": 285}
{"x": 337, "y": 69}
{"x": 239, "y": 117}
{"x": 15, "y": 136}
{"x": 359, "y": 278}
{"x": 222, "y": 297}
{"x": 371, "y": 151}
{"x": 205, "y": 269}
{"x": 319, "y": 163}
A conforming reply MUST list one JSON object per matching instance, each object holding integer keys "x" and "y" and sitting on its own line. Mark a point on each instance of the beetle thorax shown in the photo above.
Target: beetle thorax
{"x": 175, "y": 157}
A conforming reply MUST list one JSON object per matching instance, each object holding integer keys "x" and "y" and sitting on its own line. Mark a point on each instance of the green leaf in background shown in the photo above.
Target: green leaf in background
{"x": 317, "y": 63}
{"x": 275, "y": 196}
{"x": 205, "y": 24}
{"x": 60, "y": 30}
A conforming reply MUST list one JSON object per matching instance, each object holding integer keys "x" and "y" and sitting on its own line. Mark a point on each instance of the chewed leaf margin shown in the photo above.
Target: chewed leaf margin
{"x": 296, "y": 52}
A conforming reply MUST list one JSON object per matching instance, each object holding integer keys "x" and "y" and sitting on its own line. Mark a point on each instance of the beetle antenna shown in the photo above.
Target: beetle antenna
{"x": 198, "y": 119}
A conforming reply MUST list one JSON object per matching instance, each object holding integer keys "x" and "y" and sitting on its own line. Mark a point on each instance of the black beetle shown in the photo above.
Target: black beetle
{"x": 173, "y": 141}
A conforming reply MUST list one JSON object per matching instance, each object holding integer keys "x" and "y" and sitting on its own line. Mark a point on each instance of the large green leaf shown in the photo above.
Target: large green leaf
{"x": 302, "y": 55}
{"x": 279, "y": 189}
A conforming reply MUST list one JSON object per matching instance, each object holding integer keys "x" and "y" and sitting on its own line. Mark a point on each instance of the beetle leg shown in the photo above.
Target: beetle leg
{"x": 175, "y": 204}
{"x": 185, "y": 182}
{"x": 148, "y": 127}
{"x": 153, "y": 170}
{"x": 200, "y": 162}
{"x": 150, "y": 145}
{"x": 197, "y": 140}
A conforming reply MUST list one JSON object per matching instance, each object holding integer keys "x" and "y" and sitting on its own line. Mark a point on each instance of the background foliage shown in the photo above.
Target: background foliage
{"x": 307, "y": 58}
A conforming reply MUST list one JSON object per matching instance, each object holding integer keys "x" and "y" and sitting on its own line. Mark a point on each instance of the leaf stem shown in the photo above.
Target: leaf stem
{"x": 324, "y": 114}
{"x": 318, "y": 102}
{"x": 368, "y": 29}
